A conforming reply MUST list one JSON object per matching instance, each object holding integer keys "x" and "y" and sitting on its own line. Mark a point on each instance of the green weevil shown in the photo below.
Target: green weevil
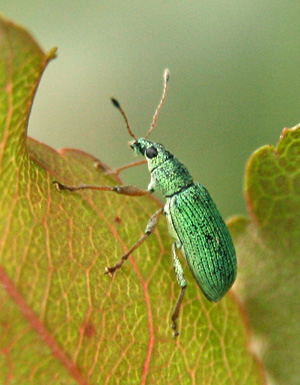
{"x": 193, "y": 219}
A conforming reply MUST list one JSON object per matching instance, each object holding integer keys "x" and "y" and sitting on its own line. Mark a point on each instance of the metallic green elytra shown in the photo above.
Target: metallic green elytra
{"x": 193, "y": 218}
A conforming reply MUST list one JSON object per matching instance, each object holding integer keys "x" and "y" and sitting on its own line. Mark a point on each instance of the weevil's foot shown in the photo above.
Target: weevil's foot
{"x": 99, "y": 166}
{"x": 174, "y": 327}
{"x": 59, "y": 186}
{"x": 109, "y": 270}
{"x": 107, "y": 171}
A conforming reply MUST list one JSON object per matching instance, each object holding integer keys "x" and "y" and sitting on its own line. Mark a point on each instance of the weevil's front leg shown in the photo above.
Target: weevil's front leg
{"x": 182, "y": 283}
{"x": 125, "y": 190}
{"x": 148, "y": 231}
{"x": 116, "y": 171}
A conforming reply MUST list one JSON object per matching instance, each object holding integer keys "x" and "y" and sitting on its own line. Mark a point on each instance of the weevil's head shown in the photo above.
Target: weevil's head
{"x": 155, "y": 153}
{"x": 168, "y": 174}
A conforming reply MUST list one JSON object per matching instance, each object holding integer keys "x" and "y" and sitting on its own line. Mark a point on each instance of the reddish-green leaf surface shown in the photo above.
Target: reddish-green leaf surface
{"x": 268, "y": 248}
{"x": 62, "y": 320}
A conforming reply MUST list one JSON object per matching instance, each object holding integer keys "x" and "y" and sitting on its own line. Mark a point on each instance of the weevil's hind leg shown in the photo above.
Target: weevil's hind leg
{"x": 148, "y": 231}
{"x": 182, "y": 283}
{"x": 116, "y": 171}
{"x": 125, "y": 190}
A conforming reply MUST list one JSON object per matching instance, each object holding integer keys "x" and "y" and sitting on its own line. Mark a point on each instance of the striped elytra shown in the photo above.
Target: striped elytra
{"x": 194, "y": 221}
{"x": 204, "y": 240}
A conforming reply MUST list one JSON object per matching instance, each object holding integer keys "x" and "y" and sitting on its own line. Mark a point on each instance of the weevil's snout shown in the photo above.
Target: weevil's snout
{"x": 137, "y": 147}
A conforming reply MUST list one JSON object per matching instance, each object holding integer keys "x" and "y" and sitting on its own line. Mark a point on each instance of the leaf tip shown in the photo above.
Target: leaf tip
{"x": 52, "y": 54}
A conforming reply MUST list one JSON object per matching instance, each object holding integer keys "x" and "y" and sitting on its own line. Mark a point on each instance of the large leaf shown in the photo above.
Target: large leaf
{"x": 62, "y": 320}
{"x": 268, "y": 248}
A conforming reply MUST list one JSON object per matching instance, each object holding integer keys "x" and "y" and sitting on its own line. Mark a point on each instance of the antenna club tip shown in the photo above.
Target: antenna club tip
{"x": 115, "y": 102}
{"x": 166, "y": 75}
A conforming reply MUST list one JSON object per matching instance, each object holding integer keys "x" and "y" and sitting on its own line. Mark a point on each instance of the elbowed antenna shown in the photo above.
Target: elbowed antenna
{"x": 117, "y": 105}
{"x": 166, "y": 80}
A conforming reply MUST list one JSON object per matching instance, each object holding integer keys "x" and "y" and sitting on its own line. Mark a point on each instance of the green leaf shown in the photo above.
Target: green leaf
{"x": 268, "y": 248}
{"x": 62, "y": 320}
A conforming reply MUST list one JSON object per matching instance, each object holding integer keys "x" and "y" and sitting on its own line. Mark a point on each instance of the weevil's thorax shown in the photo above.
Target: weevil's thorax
{"x": 168, "y": 174}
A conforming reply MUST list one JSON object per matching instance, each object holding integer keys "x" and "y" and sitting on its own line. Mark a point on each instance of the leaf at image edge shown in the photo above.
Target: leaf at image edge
{"x": 61, "y": 318}
{"x": 268, "y": 252}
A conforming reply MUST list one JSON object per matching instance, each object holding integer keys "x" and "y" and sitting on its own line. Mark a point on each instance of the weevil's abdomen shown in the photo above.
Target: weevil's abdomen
{"x": 207, "y": 246}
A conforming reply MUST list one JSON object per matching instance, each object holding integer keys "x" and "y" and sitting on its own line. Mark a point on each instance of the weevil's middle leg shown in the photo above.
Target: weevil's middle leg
{"x": 148, "y": 231}
{"x": 182, "y": 283}
{"x": 116, "y": 171}
{"x": 125, "y": 190}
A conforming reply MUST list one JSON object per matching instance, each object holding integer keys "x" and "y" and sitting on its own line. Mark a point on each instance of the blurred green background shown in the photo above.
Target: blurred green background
{"x": 234, "y": 84}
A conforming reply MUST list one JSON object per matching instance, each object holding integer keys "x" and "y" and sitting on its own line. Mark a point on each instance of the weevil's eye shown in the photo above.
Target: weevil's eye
{"x": 151, "y": 152}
